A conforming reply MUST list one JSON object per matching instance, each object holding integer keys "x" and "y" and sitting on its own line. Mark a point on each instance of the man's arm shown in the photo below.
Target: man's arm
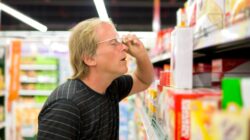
{"x": 143, "y": 75}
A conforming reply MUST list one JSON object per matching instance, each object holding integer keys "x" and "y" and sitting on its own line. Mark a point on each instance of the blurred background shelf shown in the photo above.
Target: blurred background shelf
{"x": 35, "y": 92}
{"x": 37, "y": 67}
{"x": 151, "y": 135}
{"x": 234, "y": 34}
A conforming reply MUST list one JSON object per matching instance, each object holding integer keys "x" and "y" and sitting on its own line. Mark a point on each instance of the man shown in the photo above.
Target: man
{"x": 86, "y": 106}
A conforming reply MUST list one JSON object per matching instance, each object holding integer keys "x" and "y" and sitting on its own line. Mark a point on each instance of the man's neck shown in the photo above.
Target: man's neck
{"x": 97, "y": 82}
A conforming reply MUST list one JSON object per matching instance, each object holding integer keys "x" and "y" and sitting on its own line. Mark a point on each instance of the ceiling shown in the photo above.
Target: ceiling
{"x": 61, "y": 15}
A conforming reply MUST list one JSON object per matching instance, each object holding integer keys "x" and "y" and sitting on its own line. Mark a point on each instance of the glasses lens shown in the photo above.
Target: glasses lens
{"x": 119, "y": 40}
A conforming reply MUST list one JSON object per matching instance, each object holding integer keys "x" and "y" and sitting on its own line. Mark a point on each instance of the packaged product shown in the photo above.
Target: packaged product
{"x": 230, "y": 125}
{"x": 179, "y": 107}
{"x": 202, "y": 111}
{"x": 202, "y": 75}
{"x": 209, "y": 15}
{"x": 181, "y": 58}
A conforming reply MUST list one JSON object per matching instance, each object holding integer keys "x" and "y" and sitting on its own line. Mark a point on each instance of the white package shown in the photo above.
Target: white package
{"x": 245, "y": 92}
{"x": 182, "y": 58}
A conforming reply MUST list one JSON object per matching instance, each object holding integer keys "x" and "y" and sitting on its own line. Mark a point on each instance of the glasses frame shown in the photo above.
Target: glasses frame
{"x": 118, "y": 39}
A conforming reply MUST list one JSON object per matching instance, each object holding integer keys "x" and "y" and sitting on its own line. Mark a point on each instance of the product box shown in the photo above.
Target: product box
{"x": 162, "y": 44}
{"x": 209, "y": 15}
{"x": 178, "y": 111}
{"x": 202, "y": 111}
{"x": 236, "y": 91}
{"x": 167, "y": 40}
{"x": 202, "y": 75}
{"x": 181, "y": 17}
{"x": 182, "y": 58}
{"x": 217, "y": 77}
{"x": 229, "y": 68}
{"x": 230, "y": 65}
{"x": 245, "y": 92}
{"x": 236, "y": 10}
{"x": 231, "y": 88}
{"x": 190, "y": 7}
{"x": 165, "y": 76}
{"x": 227, "y": 125}
{"x": 202, "y": 79}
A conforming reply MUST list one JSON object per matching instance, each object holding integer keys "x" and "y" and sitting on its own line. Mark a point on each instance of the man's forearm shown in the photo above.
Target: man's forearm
{"x": 144, "y": 70}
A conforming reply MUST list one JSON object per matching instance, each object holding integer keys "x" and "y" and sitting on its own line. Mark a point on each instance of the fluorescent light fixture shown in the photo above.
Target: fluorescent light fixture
{"x": 23, "y": 17}
{"x": 101, "y": 10}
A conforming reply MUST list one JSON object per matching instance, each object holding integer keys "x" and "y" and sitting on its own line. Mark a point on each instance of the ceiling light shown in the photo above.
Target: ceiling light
{"x": 101, "y": 10}
{"x": 23, "y": 17}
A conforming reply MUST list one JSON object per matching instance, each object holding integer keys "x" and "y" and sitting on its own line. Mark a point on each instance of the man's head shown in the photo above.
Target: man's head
{"x": 83, "y": 42}
{"x": 90, "y": 45}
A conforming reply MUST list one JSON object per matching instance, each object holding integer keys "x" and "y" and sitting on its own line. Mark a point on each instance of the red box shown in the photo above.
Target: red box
{"x": 178, "y": 112}
{"x": 202, "y": 67}
{"x": 231, "y": 65}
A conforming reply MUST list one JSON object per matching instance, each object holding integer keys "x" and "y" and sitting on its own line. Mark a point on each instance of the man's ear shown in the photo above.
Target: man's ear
{"x": 89, "y": 60}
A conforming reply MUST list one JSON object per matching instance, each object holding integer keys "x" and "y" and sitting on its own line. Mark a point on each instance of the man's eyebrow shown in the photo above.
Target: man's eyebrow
{"x": 114, "y": 39}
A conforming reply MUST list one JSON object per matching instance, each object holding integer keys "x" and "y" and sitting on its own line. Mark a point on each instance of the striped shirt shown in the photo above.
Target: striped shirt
{"x": 76, "y": 112}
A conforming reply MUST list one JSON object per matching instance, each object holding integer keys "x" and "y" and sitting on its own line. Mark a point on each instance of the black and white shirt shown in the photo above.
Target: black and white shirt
{"x": 76, "y": 112}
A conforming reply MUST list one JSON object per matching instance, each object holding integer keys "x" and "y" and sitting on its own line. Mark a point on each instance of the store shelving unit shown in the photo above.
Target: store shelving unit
{"x": 232, "y": 41}
{"x": 35, "y": 92}
{"x": 234, "y": 37}
{"x": 37, "y": 67}
{"x": 228, "y": 37}
{"x": 160, "y": 58}
{"x": 38, "y": 77}
{"x": 151, "y": 132}
{"x": 36, "y": 44}
{"x": 152, "y": 127}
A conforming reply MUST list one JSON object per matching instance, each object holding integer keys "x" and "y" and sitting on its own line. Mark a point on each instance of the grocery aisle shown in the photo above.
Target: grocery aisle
{"x": 202, "y": 77}
{"x": 36, "y": 65}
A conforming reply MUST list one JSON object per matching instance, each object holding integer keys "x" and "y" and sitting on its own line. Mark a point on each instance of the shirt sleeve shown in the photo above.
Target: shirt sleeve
{"x": 59, "y": 121}
{"x": 123, "y": 86}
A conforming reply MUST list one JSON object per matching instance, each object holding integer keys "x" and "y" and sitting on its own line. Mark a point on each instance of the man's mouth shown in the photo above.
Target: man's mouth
{"x": 124, "y": 59}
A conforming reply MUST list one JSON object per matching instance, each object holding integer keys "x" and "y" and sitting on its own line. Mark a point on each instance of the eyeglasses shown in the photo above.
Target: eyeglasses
{"x": 114, "y": 41}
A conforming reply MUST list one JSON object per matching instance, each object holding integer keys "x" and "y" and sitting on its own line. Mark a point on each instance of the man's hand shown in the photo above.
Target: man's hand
{"x": 135, "y": 46}
{"x": 143, "y": 75}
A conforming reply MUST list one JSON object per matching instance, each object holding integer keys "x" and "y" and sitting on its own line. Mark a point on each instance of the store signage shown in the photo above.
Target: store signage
{"x": 14, "y": 71}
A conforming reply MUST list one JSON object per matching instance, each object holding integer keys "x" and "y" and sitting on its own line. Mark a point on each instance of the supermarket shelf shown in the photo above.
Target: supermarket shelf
{"x": 225, "y": 38}
{"x": 2, "y": 125}
{"x": 152, "y": 127}
{"x": 158, "y": 129}
{"x": 160, "y": 58}
{"x": 35, "y": 92}
{"x": 231, "y": 38}
{"x": 25, "y": 79}
{"x": 37, "y": 67}
{"x": 147, "y": 125}
{"x": 29, "y": 105}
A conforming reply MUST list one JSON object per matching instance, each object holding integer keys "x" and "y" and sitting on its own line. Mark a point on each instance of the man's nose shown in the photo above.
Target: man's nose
{"x": 124, "y": 47}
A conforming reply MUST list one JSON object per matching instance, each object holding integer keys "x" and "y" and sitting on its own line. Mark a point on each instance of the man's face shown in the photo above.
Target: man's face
{"x": 111, "y": 53}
